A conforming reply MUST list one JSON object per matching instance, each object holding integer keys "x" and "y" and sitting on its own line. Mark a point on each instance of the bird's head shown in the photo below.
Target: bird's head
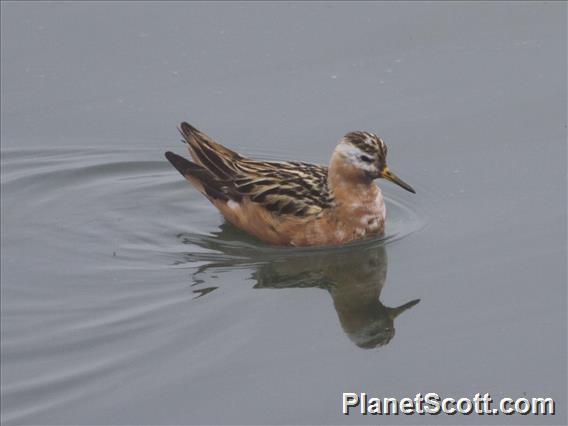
{"x": 362, "y": 156}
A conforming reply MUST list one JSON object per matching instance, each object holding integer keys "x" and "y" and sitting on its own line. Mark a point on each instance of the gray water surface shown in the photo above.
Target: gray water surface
{"x": 126, "y": 299}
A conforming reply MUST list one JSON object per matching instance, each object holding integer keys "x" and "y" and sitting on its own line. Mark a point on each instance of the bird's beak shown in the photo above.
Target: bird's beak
{"x": 395, "y": 312}
{"x": 388, "y": 175}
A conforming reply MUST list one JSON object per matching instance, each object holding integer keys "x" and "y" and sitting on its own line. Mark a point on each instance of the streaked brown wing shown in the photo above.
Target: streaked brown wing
{"x": 281, "y": 187}
{"x": 284, "y": 187}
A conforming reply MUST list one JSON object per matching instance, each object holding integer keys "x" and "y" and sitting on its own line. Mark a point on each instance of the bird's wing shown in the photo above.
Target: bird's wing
{"x": 281, "y": 187}
{"x": 284, "y": 187}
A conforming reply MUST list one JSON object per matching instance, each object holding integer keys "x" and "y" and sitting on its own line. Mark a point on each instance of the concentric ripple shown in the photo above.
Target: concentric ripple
{"x": 96, "y": 246}
{"x": 135, "y": 202}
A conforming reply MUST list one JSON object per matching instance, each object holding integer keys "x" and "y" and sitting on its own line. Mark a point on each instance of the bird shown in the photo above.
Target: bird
{"x": 292, "y": 203}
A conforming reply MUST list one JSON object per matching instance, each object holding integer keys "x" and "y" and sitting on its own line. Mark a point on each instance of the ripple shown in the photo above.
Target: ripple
{"x": 95, "y": 239}
{"x": 141, "y": 202}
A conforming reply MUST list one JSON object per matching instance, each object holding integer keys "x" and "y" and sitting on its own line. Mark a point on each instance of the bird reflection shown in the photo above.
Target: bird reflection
{"x": 353, "y": 276}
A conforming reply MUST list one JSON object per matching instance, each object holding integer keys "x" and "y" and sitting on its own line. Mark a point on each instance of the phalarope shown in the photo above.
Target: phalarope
{"x": 293, "y": 203}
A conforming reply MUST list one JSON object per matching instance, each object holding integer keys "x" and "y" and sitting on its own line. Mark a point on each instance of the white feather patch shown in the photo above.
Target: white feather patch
{"x": 340, "y": 234}
{"x": 232, "y": 205}
{"x": 353, "y": 154}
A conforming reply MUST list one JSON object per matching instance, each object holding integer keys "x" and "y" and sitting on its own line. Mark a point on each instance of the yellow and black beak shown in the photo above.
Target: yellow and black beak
{"x": 388, "y": 175}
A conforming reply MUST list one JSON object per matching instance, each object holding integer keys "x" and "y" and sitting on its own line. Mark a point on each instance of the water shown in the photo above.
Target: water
{"x": 127, "y": 300}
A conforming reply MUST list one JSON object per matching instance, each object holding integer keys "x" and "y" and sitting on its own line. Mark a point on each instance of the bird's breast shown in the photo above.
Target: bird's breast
{"x": 360, "y": 215}
{"x": 354, "y": 216}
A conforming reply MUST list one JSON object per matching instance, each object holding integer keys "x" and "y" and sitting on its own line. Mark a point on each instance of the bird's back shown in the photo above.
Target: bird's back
{"x": 273, "y": 200}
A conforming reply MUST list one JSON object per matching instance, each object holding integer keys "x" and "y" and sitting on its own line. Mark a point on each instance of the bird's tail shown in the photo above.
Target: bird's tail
{"x": 207, "y": 153}
{"x": 205, "y": 182}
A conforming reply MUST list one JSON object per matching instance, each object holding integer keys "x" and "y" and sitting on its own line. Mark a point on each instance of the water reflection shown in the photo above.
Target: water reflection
{"x": 353, "y": 276}
{"x": 354, "y": 279}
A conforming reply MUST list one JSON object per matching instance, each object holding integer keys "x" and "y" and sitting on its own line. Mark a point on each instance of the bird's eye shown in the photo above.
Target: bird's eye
{"x": 366, "y": 159}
